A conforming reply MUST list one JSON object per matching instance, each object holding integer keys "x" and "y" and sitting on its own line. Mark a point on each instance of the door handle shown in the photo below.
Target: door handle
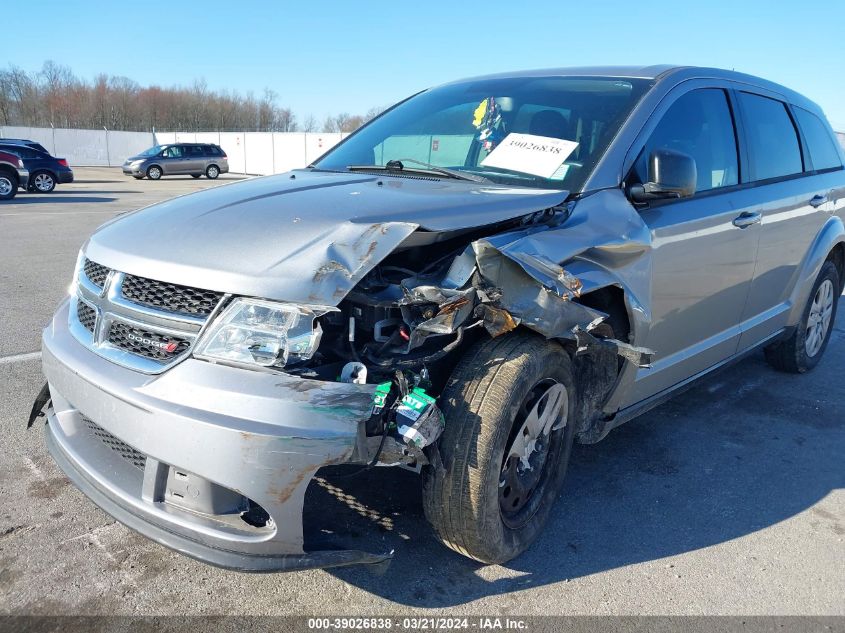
{"x": 744, "y": 220}
{"x": 818, "y": 200}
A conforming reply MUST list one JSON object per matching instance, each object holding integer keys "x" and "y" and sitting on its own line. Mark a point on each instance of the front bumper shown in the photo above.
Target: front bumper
{"x": 133, "y": 171}
{"x": 176, "y": 455}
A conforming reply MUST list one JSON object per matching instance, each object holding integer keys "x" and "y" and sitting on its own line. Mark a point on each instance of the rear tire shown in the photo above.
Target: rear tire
{"x": 42, "y": 182}
{"x": 154, "y": 172}
{"x": 478, "y": 501}
{"x": 8, "y": 186}
{"x": 212, "y": 171}
{"x": 804, "y": 348}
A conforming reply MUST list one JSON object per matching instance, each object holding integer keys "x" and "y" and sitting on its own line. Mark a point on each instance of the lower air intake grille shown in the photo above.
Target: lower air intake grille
{"x": 86, "y": 315}
{"x": 170, "y": 297}
{"x": 147, "y": 344}
{"x": 137, "y": 459}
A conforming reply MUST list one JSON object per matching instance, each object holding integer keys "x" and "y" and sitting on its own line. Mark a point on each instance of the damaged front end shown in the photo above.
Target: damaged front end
{"x": 408, "y": 319}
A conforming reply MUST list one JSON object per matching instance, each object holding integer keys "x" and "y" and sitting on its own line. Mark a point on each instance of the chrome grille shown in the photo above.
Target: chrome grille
{"x": 97, "y": 273}
{"x": 147, "y": 343}
{"x": 170, "y": 297}
{"x": 139, "y": 323}
{"x": 86, "y": 314}
{"x": 136, "y": 458}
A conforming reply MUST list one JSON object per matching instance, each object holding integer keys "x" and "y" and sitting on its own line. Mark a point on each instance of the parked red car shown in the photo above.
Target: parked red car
{"x": 12, "y": 175}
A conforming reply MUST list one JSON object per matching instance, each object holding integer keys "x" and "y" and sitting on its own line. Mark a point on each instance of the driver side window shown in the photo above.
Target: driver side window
{"x": 698, "y": 124}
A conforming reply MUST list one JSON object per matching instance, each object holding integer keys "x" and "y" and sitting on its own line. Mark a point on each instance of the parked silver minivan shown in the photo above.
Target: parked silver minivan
{"x": 193, "y": 159}
{"x": 485, "y": 273}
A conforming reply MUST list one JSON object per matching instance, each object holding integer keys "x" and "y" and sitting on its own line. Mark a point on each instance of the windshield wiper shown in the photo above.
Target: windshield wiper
{"x": 398, "y": 166}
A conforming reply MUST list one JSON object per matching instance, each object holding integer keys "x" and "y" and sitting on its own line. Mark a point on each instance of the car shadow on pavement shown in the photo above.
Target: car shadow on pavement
{"x": 730, "y": 457}
{"x": 54, "y": 198}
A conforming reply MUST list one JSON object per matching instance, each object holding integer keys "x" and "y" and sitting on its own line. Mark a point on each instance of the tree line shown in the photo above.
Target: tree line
{"x": 55, "y": 96}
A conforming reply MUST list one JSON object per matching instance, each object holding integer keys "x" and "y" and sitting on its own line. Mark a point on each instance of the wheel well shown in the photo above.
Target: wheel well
{"x": 10, "y": 172}
{"x": 44, "y": 170}
{"x": 611, "y": 300}
{"x": 837, "y": 256}
{"x": 212, "y": 165}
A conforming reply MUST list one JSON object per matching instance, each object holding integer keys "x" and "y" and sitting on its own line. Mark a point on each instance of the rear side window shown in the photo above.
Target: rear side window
{"x": 196, "y": 150}
{"x": 213, "y": 150}
{"x": 823, "y": 152}
{"x": 773, "y": 147}
{"x": 698, "y": 124}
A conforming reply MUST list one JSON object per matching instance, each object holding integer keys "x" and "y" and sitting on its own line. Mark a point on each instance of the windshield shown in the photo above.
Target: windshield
{"x": 465, "y": 127}
{"x": 153, "y": 151}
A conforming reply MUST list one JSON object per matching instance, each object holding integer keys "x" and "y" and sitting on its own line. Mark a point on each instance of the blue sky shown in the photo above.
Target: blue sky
{"x": 329, "y": 57}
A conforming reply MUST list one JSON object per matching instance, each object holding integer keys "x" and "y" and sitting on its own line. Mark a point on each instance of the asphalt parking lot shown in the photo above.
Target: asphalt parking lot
{"x": 727, "y": 500}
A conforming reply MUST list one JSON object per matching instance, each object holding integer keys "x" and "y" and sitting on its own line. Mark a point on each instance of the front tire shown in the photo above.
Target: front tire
{"x": 509, "y": 407}
{"x": 195, "y": 175}
{"x": 212, "y": 171}
{"x": 154, "y": 172}
{"x": 804, "y": 348}
{"x": 8, "y": 186}
{"x": 42, "y": 182}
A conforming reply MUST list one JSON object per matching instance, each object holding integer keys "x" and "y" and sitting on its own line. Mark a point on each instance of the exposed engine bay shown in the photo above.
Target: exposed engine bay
{"x": 437, "y": 293}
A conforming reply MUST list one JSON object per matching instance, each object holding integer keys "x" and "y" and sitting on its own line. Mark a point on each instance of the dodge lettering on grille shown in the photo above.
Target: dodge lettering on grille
{"x": 167, "y": 347}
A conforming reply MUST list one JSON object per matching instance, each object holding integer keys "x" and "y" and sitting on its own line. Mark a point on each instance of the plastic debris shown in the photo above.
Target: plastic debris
{"x": 418, "y": 419}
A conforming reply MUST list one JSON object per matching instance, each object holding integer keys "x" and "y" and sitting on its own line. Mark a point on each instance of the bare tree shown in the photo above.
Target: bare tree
{"x": 55, "y": 96}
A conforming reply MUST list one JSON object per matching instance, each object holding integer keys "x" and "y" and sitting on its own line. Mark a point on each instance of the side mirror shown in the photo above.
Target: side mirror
{"x": 671, "y": 174}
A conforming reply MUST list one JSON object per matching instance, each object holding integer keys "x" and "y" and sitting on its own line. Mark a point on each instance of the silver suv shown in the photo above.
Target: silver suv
{"x": 193, "y": 159}
{"x": 477, "y": 278}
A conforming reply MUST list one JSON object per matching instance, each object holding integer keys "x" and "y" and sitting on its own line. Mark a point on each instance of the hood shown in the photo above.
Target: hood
{"x": 306, "y": 237}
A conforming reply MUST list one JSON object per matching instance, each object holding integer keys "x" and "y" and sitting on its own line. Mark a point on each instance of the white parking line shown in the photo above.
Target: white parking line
{"x": 16, "y": 358}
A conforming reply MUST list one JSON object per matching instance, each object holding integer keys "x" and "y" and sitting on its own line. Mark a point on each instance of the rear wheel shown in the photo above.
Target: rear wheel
{"x": 804, "y": 348}
{"x": 8, "y": 185}
{"x": 212, "y": 171}
{"x": 508, "y": 407}
{"x": 42, "y": 182}
{"x": 154, "y": 172}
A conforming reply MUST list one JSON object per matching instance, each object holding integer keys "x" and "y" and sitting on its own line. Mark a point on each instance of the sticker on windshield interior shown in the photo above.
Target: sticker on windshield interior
{"x": 530, "y": 154}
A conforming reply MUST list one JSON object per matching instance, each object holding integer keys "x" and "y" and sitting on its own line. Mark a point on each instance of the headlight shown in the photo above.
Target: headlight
{"x": 74, "y": 283}
{"x": 263, "y": 333}
{"x": 136, "y": 163}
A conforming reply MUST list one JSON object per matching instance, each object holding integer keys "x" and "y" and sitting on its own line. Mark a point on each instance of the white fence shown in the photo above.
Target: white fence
{"x": 261, "y": 153}
{"x": 258, "y": 153}
{"x": 84, "y": 147}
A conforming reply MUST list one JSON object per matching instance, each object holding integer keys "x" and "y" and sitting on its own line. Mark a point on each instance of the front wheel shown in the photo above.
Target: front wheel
{"x": 509, "y": 409}
{"x": 804, "y": 348}
{"x": 195, "y": 175}
{"x": 154, "y": 172}
{"x": 8, "y": 186}
{"x": 212, "y": 171}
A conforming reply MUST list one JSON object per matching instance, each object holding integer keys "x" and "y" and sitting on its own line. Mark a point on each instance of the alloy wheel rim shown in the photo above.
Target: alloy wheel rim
{"x": 5, "y": 186}
{"x": 818, "y": 321}
{"x": 43, "y": 182}
{"x": 154, "y": 172}
{"x": 212, "y": 172}
{"x": 545, "y": 409}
